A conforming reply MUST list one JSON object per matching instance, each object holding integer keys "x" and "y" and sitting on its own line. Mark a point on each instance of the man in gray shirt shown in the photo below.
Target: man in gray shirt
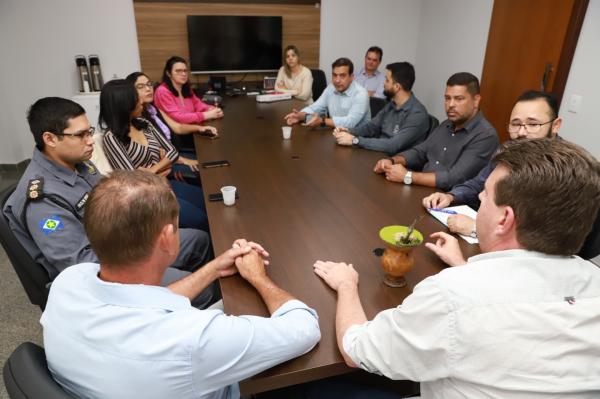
{"x": 454, "y": 152}
{"x": 401, "y": 124}
{"x": 45, "y": 212}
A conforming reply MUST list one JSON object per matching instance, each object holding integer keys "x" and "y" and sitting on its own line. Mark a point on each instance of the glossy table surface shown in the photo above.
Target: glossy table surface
{"x": 306, "y": 199}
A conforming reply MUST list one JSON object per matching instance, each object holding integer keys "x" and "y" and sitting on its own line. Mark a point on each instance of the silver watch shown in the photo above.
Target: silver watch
{"x": 354, "y": 140}
{"x": 408, "y": 177}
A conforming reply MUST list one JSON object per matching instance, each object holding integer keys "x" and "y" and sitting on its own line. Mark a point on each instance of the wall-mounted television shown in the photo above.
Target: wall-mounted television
{"x": 227, "y": 44}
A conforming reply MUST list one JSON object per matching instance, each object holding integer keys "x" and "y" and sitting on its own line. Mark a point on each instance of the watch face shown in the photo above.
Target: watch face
{"x": 408, "y": 178}
{"x": 355, "y": 140}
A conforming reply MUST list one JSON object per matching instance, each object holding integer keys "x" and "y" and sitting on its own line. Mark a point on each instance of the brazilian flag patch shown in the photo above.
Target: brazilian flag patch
{"x": 51, "y": 224}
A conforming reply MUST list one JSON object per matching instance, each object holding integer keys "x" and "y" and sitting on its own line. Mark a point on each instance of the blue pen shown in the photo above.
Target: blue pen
{"x": 448, "y": 211}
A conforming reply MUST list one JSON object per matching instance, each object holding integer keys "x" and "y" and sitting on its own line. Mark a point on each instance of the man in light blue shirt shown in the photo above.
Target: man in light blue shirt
{"x": 369, "y": 77}
{"x": 344, "y": 103}
{"x": 111, "y": 330}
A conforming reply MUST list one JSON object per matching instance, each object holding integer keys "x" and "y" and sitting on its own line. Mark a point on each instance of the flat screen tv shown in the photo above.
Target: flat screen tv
{"x": 226, "y": 44}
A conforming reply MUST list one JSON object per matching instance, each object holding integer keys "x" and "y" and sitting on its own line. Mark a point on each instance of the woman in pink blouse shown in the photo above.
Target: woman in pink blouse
{"x": 176, "y": 98}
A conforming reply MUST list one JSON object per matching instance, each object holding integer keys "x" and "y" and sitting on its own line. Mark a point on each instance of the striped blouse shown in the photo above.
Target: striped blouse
{"x": 134, "y": 155}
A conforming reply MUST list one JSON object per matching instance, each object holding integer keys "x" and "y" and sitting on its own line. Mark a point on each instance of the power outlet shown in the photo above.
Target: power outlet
{"x": 575, "y": 103}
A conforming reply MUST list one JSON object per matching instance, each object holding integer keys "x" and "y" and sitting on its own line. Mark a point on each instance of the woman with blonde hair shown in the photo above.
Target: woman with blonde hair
{"x": 293, "y": 77}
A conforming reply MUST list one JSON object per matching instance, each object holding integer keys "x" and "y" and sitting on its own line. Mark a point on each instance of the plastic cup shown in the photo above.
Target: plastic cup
{"x": 228, "y": 195}
{"x": 287, "y": 132}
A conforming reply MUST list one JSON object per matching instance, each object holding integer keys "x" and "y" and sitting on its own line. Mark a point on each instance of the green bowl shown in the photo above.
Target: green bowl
{"x": 387, "y": 234}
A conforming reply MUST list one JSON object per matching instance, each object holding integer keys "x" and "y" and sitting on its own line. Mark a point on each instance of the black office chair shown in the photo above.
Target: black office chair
{"x": 34, "y": 278}
{"x": 319, "y": 83}
{"x": 26, "y": 375}
{"x": 376, "y": 104}
{"x": 433, "y": 123}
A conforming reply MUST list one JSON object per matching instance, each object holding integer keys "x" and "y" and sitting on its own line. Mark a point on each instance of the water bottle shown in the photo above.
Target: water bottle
{"x": 96, "y": 73}
{"x": 84, "y": 74}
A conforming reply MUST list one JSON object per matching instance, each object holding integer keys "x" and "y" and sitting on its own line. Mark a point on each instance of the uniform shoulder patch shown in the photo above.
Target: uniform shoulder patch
{"x": 90, "y": 168}
{"x": 35, "y": 188}
{"x": 51, "y": 224}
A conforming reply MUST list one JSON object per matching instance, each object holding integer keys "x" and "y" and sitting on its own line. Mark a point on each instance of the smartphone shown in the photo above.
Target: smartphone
{"x": 215, "y": 164}
{"x": 219, "y": 196}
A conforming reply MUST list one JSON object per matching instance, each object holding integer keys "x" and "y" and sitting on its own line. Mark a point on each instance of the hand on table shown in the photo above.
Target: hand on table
{"x": 447, "y": 249}
{"x": 342, "y": 136}
{"x": 395, "y": 173}
{"x": 208, "y": 129}
{"x": 336, "y": 274}
{"x": 438, "y": 200}
{"x": 294, "y": 117}
{"x": 315, "y": 121}
{"x": 461, "y": 224}
{"x": 381, "y": 165}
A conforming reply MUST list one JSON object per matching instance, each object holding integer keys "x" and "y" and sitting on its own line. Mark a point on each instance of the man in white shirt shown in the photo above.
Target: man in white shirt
{"x": 111, "y": 331}
{"x": 369, "y": 76}
{"x": 518, "y": 321}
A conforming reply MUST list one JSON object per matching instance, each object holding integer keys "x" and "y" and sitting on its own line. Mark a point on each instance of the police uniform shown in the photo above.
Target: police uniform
{"x": 45, "y": 212}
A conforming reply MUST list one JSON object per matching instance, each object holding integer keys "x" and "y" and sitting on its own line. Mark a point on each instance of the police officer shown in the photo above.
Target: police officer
{"x": 46, "y": 210}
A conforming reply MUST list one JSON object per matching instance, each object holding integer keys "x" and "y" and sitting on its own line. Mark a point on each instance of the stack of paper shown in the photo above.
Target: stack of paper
{"x": 460, "y": 209}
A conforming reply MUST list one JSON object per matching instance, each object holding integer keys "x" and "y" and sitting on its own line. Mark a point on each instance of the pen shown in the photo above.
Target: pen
{"x": 448, "y": 211}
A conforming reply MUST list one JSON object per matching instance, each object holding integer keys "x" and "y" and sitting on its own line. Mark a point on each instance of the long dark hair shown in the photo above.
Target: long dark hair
{"x": 118, "y": 99}
{"x": 186, "y": 89}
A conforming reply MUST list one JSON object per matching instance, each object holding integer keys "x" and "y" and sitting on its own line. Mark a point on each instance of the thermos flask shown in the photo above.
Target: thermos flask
{"x": 96, "y": 72}
{"x": 84, "y": 75}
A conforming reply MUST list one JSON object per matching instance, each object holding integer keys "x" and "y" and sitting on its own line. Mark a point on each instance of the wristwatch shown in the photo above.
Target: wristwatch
{"x": 323, "y": 123}
{"x": 354, "y": 140}
{"x": 408, "y": 177}
{"x": 473, "y": 233}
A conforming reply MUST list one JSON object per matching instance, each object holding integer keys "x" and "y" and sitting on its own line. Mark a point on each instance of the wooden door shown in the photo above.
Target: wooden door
{"x": 530, "y": 47}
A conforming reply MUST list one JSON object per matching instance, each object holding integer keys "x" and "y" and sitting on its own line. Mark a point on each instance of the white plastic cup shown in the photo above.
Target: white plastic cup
{"x": 287, "y": 132}
{"x": 228, "y": 195}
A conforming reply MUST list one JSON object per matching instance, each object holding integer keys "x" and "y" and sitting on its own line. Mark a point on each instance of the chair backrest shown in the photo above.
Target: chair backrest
{"x": 26, "y": 375}
{"x": 33, "y": 276}
{"x": 319, "y": 83}
{"x": 376, "y": 104}
{"x": 433, "y": 123}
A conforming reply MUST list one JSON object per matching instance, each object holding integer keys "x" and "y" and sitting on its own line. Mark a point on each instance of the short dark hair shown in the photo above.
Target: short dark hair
{"x": 549, "y": 98}
{"x": 375, "y": 49}
{"x": 125, "y": 214}
{"x": 465, "y": 79}
{"x": 553, "y": 186}
{"x": 118, "y": 99}
{"x": 343, "y": 62}
{"x": 133, "y": 76}
{"x": 186, "y": 89}
{"x": 403, "y": 73}
{"x": 51, "y": 114}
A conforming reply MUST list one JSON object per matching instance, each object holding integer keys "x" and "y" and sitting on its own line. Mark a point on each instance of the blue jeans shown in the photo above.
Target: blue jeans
{"x": 192, "y": 211}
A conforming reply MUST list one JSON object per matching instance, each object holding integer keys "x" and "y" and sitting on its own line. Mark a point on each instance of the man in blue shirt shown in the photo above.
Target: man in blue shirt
{"x": 370, "y": 77}
{"x": 344, "y": 103}
{"x": 110, "y": 329}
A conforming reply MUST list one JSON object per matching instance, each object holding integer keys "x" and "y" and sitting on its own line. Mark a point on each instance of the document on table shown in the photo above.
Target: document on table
{"x": 460, "y": 209}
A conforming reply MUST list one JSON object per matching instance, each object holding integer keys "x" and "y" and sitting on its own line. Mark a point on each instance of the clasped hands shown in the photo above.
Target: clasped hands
{"x": 246, "y": 257}
{"x": 392, "y": 172}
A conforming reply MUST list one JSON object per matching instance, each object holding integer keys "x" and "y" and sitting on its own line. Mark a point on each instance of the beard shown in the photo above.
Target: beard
{"x": 389, "y": 94}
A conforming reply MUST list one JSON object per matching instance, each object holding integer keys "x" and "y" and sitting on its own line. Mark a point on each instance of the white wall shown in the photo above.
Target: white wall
{"x": 584, "y": 80}
{"x": 350, "y": 27}
{"x": 38, "y": 42}
{"x": 452, "y": 38}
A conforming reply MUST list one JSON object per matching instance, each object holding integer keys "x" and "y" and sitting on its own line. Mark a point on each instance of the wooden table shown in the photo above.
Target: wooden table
{"x": 306, "y": 199}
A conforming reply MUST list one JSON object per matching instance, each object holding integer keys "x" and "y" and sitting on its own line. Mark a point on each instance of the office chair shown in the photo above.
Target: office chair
{"x": 319, "y": 83}
{"x": 376, "y": 105}
{"x": 433, "y": 123}
{"x": 26, "y": 375}
{"x": 33, "y": 277}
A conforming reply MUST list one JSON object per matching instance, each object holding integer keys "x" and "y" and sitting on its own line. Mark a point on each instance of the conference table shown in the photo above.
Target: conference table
{"x": 306, "y": 199}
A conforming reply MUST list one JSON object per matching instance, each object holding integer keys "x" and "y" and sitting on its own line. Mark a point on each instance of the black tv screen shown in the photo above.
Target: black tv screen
{"x": 234, "y": 43}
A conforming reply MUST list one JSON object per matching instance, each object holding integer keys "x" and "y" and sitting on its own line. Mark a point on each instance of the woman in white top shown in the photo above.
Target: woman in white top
{"x": 293, "y": 77}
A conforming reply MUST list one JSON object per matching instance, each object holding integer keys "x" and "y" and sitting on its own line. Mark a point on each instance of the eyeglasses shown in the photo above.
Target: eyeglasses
{"x": 141, "y": 86}
{"x": 529, "y": 127}
{"x": 84, "y": 134}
